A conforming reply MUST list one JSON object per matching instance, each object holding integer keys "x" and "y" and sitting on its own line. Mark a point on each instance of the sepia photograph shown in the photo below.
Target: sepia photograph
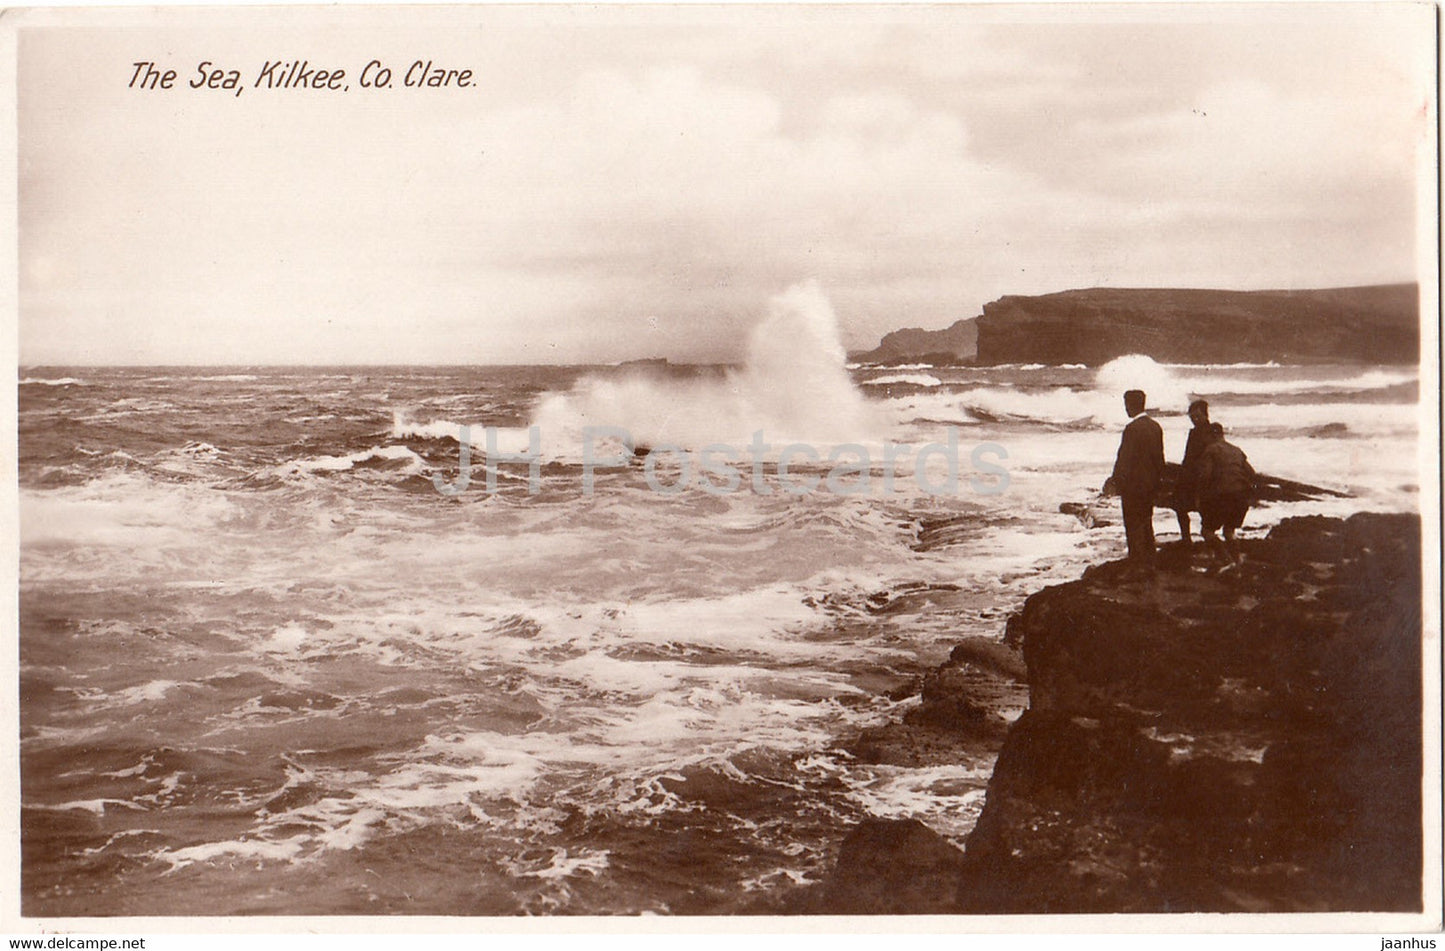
{"x": 773, "y": 463}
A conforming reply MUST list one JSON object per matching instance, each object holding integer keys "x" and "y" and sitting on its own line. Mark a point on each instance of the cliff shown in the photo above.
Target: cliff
{"x": 952, "y": 345}
{"x": 1379, "y": 324}
{"x": 1246, "y": 742}
{"x": 1344, "y": 325}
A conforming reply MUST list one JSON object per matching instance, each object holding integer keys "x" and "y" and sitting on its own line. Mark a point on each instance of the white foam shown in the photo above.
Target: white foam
{"x": 1058, "y": 405}
{"x": 286, "y": 640}
{"x": 148, "y": 692}
{"x": 62, "y": 381}
{"x": 349, "y": 461}
{"x": 354, "y": 831}
{"x": 253, "y": 849}
{"x": 1361, "y": 419}
{"x": 1222, "y": 366}
{"x": 1098, "y": 405}
{"x": 123, "y": 834}
{"x": 95, "y": 806}
{"x": 209, "y": 378}
{"x": 793, "y": 386}
{"x": 1138, "y": 372}
{"x": 401, "y": 428}
{"x": 119, "y": 512}
{"x": 563, "y": 864}
{"x": 928, "y": 408}
{"x": 948, "y": 798}
{"x": 912, "y": 379}
{"x": 1204, "y": 382}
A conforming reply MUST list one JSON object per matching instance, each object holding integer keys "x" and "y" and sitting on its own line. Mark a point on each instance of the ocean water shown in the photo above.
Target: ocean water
{"x": 268, "y": 668}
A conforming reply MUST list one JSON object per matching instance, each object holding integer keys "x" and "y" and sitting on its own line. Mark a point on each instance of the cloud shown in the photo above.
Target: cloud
{"x": 1247, "y": 144}
{"x": 600, "y": 200}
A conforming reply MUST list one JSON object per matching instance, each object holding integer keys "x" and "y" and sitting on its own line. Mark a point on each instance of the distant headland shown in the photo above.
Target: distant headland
{"x": 1378, "y": 325}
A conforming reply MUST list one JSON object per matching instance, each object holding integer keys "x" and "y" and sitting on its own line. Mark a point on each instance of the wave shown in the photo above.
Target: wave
{"x": 229, "y": 377}
{"x": 95, "y": 806}
{"x": 1170, "y": 389}
{"x": 1169, "y": 393}
{"x": 194, "y": 448}
{"x": 793, "y": 386}
{"x": 912, "y": 379}
{"x": 1138, "y": 372}
{"x": 62, "y": 381}
{"x": 930, "y": 407}
{"x": 1271, "y": 365}
{"x": 1058, "y": 405}
{"x": 122, "y": 509}
{"x": 402, "y": 428}
{"x": 412, "y": 463}
{"x": 1202, "y": 383}
{"x": 250, "y": 850}
{"x": 1283, "y": 420}
{"x": 1069, "y": 406}
{"x": 987, "y": 367}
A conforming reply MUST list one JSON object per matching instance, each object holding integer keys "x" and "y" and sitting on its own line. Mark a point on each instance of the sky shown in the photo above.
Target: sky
{"x": 633, "y": 181}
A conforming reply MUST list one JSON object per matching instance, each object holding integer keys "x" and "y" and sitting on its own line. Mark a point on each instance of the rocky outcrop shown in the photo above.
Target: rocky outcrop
{"x": 957, "y": 344}
{"x": 893, "y": 867}
{"x": 1367, "y": 325}
{"x": 1249, "y": 741}
{"x": 1267, "y": 488}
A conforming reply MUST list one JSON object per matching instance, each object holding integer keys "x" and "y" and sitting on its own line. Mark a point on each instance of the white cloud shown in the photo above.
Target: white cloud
{"x": 687, "y": 171}
{"x": 1246, "y": 143}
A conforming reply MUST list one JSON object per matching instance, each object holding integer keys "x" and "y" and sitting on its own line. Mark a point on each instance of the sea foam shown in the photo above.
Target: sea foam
{"x": 793, "y": 385}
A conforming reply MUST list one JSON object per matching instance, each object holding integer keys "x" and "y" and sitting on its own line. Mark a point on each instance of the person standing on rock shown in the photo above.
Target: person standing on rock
{"x": 1226, "y": 489}
{"x": 1186, "y": 490}
{"x": 1138, "y": 468}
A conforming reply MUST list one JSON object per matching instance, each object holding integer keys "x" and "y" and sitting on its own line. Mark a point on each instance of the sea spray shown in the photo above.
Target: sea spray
{"x": 792, "y": 401}
{"x": 1099, "y": 404}
{"x": 796, "y": 372}
{"x": 793, "y": 384}
{"x": 1138, "y": 372}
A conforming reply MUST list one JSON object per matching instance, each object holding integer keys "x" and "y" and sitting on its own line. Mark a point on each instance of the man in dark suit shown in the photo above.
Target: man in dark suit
{"x": 1186, "y": 489}
{"x": 1137, "y": 471}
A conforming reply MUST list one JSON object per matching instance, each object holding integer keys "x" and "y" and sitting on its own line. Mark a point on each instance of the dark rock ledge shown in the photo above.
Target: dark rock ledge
{"x": 1249, "y": 742}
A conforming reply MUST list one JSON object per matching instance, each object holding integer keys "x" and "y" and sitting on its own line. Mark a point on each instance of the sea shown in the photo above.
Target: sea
{"x": 559, "y": 640}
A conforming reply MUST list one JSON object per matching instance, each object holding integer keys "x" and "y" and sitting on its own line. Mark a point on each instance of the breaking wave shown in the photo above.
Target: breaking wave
{"x": 911, "y": 379}
{"x": 793, "y": 385}
{"x": 62, "y": 381}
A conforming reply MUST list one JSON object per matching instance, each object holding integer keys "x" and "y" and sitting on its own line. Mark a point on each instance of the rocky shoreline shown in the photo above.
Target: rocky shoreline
{"x": 1193, "y": 742}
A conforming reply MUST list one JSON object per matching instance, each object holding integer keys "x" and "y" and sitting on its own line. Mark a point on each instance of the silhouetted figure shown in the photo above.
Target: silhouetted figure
{"x": 1226, "y": 489}
{"x": 1186, "y": 490}
{"x": 1137, "y": 471}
